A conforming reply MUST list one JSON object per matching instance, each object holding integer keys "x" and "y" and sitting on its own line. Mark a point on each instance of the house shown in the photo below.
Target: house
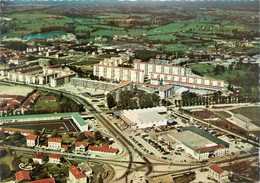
{"x": 40, "y": 158}
{"x": 22, "y": 176}
{"x": 217, "y": 173}
{"x": 55, "y": 158}
{"x": 54, "y": 143}
{"x": 32, "y": 140}
{"x": 104, "y": 149}
{"x": 76, "y": 175}
{"x": 47, "y": 180}
{"x": 64, "y": 148}
{"x": 81, "y": 146}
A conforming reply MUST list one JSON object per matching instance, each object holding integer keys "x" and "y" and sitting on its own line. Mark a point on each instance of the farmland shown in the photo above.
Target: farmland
{"x": 153, "y": 24}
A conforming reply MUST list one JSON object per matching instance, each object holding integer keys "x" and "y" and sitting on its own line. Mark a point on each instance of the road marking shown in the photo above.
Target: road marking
{"x": 66, "y": 126}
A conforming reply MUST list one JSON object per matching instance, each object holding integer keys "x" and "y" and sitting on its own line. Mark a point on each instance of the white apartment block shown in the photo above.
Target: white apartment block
{"x": 161, "y": 68}
{"x": 190, "y": 81}
{"x": 119, "y": 73}
{"x": 22, "y": 77}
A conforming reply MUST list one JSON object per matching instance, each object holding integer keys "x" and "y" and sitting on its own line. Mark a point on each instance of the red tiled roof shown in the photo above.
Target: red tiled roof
{"x": 76, "y": 172}
{"x": 8, "y": 96}
{"x": 167, "y": 88}
{"x": 19, "y": 130}
{"x": 216, "y": 168}
{"x": 30, "y": 69}
{"x": 88, "y": 134}
{"x": 48, "y": 180}
{"x": 65, "y": 146}
{"x": 120, "y": 86}
{"x": 22, "y": 175}
{"x": 85, "y": 144}
{"x": 31, "y": 137}
{"x": 55, "y": 156}
{"x": 39, "y": 156}
{"x": 211, "y": 147}
{"x": 55, "y": 66}
{"x": 19, "y": 98}
{"x": 102, "y": 149}
{"x": 55, "y": 140}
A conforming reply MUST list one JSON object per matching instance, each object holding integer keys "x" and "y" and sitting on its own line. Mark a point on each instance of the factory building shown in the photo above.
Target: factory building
{"x": 144, "y": 118}
{"x": 200, "y": 144}
{"x": 166, "y": 91}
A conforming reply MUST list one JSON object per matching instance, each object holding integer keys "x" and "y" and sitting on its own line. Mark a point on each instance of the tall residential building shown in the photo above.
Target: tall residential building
{"x": 119, "y": 73}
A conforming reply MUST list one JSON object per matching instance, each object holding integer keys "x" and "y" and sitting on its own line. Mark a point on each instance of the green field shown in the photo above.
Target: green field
{"x": 222, "y": 114}
{"x": 252, "y": 113}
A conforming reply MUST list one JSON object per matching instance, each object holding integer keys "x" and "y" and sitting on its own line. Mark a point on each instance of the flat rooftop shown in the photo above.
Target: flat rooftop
{"x": 193, "y": 140}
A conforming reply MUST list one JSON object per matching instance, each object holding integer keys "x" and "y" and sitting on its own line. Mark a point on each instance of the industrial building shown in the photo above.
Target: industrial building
{"x": 199, "y": 144}
{"x": 144, "y": 118}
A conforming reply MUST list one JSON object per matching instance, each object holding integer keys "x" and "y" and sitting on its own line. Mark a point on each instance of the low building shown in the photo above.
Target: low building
{"x": 40, "y": 158}
{"x": 54, "y": 143}
{"x": 166, "y": 91}
{"x": 32, "y": 140}
{"x": 86, "y": 83}
{"x": 104, "y": 149}
{"x": 76, "y": 175}
{"x": 86, "y": 169}
{"x": 81, "y": 146}
{"x": 218, "y": 174}
{"x": 22, "y": 131}
{"x": 55, "y": 158}
{"x": 144, "y": 118}
{"x": 22, "y": 176}
{"x": 80, "y": 122}
{"x": 200, "y": 144}
{"x": 47, "y": 180}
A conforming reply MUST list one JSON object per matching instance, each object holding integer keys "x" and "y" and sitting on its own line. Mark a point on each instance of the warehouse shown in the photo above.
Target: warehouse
{"x": 200, "y": 144}
{"x": 144, "y": 118}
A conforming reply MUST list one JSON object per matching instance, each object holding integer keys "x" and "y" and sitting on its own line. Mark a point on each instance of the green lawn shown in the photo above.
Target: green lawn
{"x": 162, "y": 37}
{"x": 252, "y": 113}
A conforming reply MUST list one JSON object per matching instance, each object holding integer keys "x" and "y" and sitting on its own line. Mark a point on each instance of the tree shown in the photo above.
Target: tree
{"x": 36, "y": 132}
{"x": 5, "y": 171}
{"x": 81, "y": 137}
{"x": 54, "y": 134}
{"x": 110, "y": 101}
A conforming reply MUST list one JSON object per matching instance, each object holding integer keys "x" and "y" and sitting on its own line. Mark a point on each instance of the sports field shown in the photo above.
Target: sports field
{"x": 49, "y": 125}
